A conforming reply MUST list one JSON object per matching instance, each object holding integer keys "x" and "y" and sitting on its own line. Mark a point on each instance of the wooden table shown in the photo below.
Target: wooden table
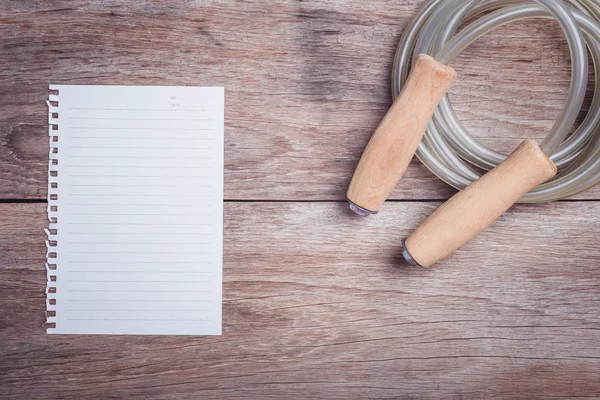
{"x": 317, "y": 302}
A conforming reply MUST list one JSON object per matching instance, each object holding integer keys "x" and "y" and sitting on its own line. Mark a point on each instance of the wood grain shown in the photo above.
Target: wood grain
{"x": 318, "y": 305}
{"x": 306, "y": 83}
{"x": 316, "y": 301}
{"x": 399, "y": 133}
{"x": 474, "y": 208}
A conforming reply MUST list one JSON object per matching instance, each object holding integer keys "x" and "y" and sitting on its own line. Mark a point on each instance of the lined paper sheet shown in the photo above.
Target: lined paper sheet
{"x": 139, "y": 210}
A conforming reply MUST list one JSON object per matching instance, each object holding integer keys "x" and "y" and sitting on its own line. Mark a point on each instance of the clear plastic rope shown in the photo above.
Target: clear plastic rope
{"x": 448, "y": 150}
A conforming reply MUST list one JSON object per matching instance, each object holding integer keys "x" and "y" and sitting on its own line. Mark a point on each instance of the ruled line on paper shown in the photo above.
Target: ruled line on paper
{"x": 134, "y": 280}
{"x": 139, "y": 291}
{"x": 141, "y": 157}
{"x": 136, "y": 109}
{"x": 143, "y": 214}
{"x": 133, "y": 319}
{"x": 137, "y": 205}
{"x": 144, "y": 186}
{"x": 133, "y": 166}
{"x": 136, "y": 138}
{"x": 140, "y": 119}
{"x": 138, "y": 309}
{"x": 139, "y": 262}
{"x": 141, "y": 147}
{"x": 140, "y": 300}
{"x": 139, "y": 233}
{"x": 136, "y": 195}
{"x": 138, "y": 176}
{"x": 138, "y": 129}
{"x": 187, "y": 243}
{"x": 142, "y": 252}
{"x": 139, "y": 271}
{"x": 132, "y": 223}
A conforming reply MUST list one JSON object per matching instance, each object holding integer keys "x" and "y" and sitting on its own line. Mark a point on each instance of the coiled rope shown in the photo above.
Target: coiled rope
{"x": 448, "y": 150}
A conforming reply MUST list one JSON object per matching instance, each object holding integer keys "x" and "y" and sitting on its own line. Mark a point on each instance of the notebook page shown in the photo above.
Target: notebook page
{"x": 138, "y": 204}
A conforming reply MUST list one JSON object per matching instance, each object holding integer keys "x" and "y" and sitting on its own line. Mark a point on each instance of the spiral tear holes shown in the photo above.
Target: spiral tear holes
{"x": 52, "y": 248}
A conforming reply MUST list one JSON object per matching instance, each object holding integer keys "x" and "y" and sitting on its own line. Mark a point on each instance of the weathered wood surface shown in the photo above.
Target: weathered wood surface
{"x": 317, "y": 304}
{"x": 306, "y": 82}
{"x": 316, "y": 301}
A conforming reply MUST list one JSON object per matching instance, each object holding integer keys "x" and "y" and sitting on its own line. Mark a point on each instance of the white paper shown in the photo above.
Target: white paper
{"x": 139, "y": 226}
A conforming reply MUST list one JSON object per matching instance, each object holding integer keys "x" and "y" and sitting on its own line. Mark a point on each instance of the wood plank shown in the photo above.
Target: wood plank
{"x": 306, "y": 83}
{"x": 318, "y": 304}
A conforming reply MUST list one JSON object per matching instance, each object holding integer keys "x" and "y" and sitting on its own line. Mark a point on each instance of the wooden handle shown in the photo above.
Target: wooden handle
{"x": 396, "y": 139}
{"x": 471, "y": 210}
